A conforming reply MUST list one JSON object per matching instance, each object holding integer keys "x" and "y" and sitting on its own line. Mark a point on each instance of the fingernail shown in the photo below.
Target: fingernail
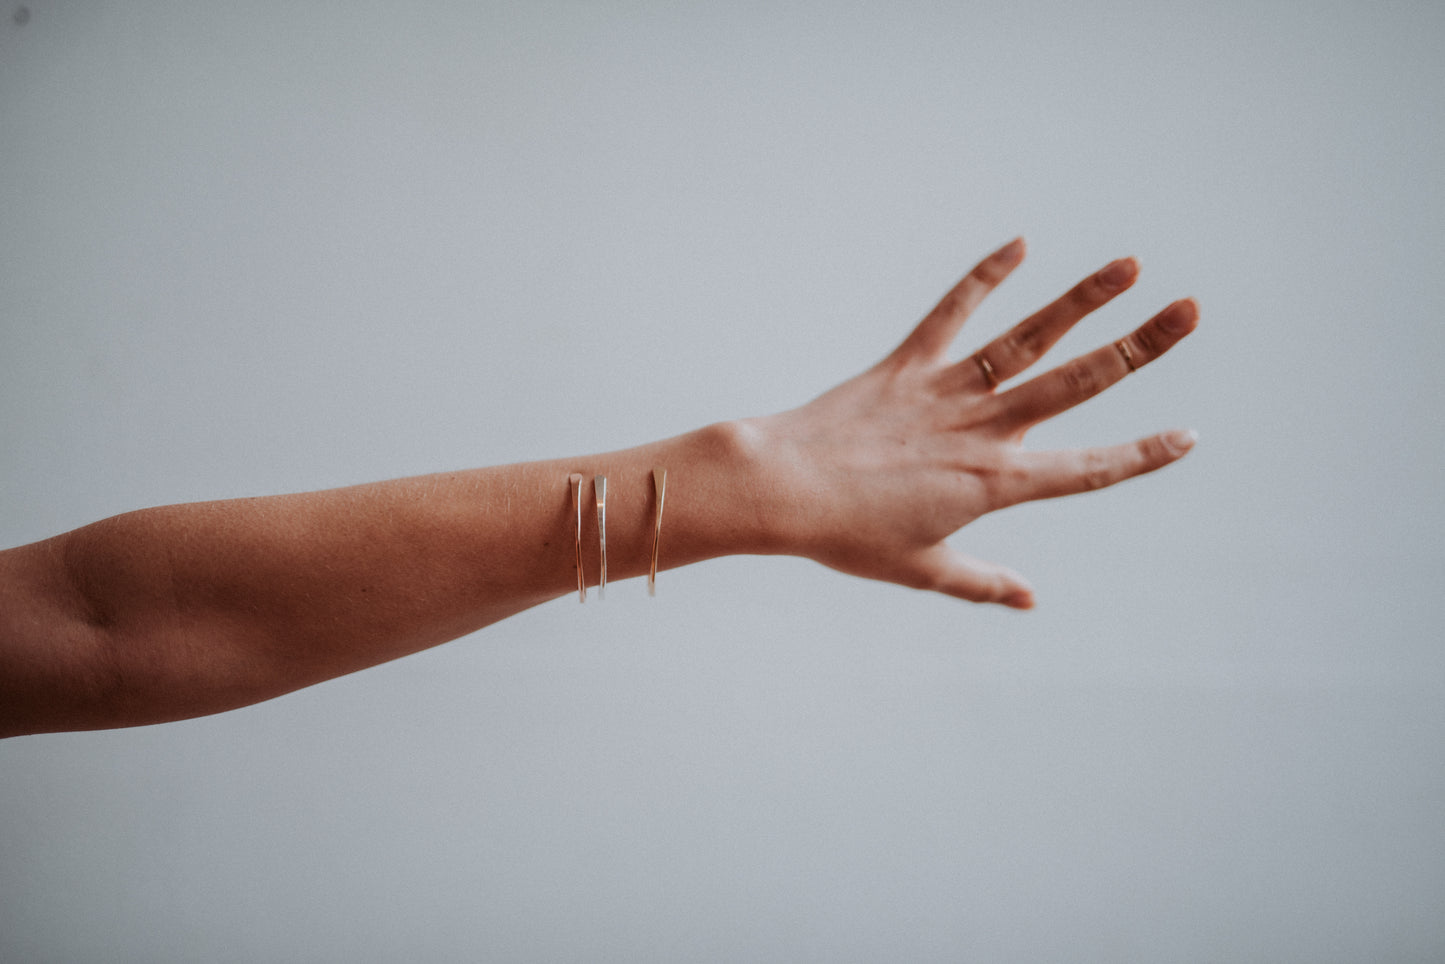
{"x": 1180, "y": 440}
{"x": 1020, "y": 594}
{"x": 1179, "y": 319}
{"x": 1116, "y": 274}
{"x": 1020, "y": 599}
{"x": 1013, "y": 251}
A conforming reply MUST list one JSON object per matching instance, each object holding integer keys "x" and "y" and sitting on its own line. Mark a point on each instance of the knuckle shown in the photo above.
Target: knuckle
{"x": 1080, "y": 379}
{"x": 1088, "y": 294}
{"x": 1153, "y": 452}
{"x": 990, "y": 271}
{"x": 947, "y": 305}
{"x": 921, "y": 579}
{"x": 1003, "y": 485}
{"x": 1000, "y": 587}
{"x": 990, "y": 477}
{"x": 997, "y": 479}
{"x": 1096, "y": 471}
{"x": 1147, "y": 340}
{"x": 1025, "y": 340}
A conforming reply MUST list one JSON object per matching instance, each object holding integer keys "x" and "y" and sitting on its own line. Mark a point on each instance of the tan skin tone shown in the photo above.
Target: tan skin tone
{"x": 185, "y": 610}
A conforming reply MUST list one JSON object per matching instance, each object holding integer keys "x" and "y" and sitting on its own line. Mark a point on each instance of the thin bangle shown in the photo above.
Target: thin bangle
{"x": 659, "y": 486}
{"x": 599, "y": 489}
{"x": 576, "y": 480}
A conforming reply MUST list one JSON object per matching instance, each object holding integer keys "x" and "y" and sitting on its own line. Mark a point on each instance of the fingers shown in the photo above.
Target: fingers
{"x": 936, "y": 332}
{"x": 1047, "y": 475}
{"x": 1021, "y": 346}
{"x": 1086, "y": 376}
{"x": 941, "y": 569}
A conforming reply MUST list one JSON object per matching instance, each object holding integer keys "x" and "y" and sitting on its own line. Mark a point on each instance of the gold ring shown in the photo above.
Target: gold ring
{"x": 1126, "y": 354}
{"x": 987, "y": 369}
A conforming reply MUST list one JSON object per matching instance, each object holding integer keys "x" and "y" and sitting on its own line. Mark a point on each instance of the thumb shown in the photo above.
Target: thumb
{"x": 944, "y": 570}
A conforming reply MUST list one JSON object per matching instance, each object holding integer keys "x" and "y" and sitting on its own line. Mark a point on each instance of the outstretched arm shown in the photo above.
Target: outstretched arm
{"x": 181, "y": 611}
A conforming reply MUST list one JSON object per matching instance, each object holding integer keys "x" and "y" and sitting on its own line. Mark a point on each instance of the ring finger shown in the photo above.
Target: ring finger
{"x": 1084, "y": 377}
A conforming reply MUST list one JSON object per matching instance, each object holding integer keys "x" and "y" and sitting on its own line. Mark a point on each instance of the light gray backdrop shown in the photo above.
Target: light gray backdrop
{"x": 258, "y": 248}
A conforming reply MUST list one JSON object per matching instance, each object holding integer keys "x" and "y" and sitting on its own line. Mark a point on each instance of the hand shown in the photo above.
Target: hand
{"x": 873, "y": 476}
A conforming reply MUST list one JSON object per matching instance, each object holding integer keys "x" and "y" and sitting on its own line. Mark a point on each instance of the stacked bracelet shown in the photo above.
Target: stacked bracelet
{"x": 599, "y": 493}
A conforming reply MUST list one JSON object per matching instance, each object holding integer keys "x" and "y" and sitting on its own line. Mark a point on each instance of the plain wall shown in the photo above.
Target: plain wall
{"x": 260, "y": 248}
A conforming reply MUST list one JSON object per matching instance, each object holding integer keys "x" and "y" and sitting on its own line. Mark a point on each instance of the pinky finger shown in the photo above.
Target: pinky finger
{"x": 1048, "y": 475}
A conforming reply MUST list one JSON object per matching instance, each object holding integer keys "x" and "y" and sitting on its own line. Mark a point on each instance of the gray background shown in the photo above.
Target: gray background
{"x": 256, "y": 248}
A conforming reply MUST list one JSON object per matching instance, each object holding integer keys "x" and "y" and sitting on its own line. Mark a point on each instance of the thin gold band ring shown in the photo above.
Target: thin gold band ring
{"x": 989, "y": 375}
{"x": 1126, "y": 354}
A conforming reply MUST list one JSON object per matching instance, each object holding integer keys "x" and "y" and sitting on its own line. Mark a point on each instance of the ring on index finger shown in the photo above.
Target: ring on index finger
{"x": 989, "y": 375}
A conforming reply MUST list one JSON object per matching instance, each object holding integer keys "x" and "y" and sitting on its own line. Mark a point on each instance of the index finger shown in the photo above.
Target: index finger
{"x": 936, "y": 332}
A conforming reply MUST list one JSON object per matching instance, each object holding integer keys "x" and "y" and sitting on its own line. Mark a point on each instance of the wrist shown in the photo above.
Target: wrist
{"x": 763, "y": 497}
{"x": 720, "y": 498}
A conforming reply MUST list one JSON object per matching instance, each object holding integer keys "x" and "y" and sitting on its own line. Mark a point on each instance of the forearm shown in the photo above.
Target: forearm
{"x": 185, "y": 610}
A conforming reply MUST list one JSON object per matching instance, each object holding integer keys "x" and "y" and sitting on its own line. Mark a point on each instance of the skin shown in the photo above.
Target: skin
{"x": 181, "y": 611}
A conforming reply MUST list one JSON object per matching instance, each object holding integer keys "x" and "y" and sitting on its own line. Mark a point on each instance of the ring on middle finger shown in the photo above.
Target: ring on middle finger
{"x": 1126, "y": 354}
